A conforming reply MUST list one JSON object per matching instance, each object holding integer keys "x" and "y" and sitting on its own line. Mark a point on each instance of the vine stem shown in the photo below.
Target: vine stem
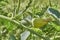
{"x": 22, "y": 26}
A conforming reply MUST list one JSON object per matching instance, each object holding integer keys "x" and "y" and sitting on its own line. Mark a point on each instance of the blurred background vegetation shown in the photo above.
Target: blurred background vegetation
{"x": 16, "y": 19}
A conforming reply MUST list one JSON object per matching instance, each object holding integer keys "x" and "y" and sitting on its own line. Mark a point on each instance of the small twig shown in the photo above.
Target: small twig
{"x": 23, "y": 10}
{"x": 50, "y": 3}
{"x": 14, "y": 10}
{"x": 18, "y": 7}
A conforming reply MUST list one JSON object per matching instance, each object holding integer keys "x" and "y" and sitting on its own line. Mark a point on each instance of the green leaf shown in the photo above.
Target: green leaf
{"x": 12, "y": 37}
{"x": 25, "y": 35}
{"x": 54, "y": 12}
{"x": 57, "y": 27}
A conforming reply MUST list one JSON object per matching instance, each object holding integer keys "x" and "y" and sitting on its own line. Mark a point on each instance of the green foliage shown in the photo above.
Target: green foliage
{"x": 16, "y": 16}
